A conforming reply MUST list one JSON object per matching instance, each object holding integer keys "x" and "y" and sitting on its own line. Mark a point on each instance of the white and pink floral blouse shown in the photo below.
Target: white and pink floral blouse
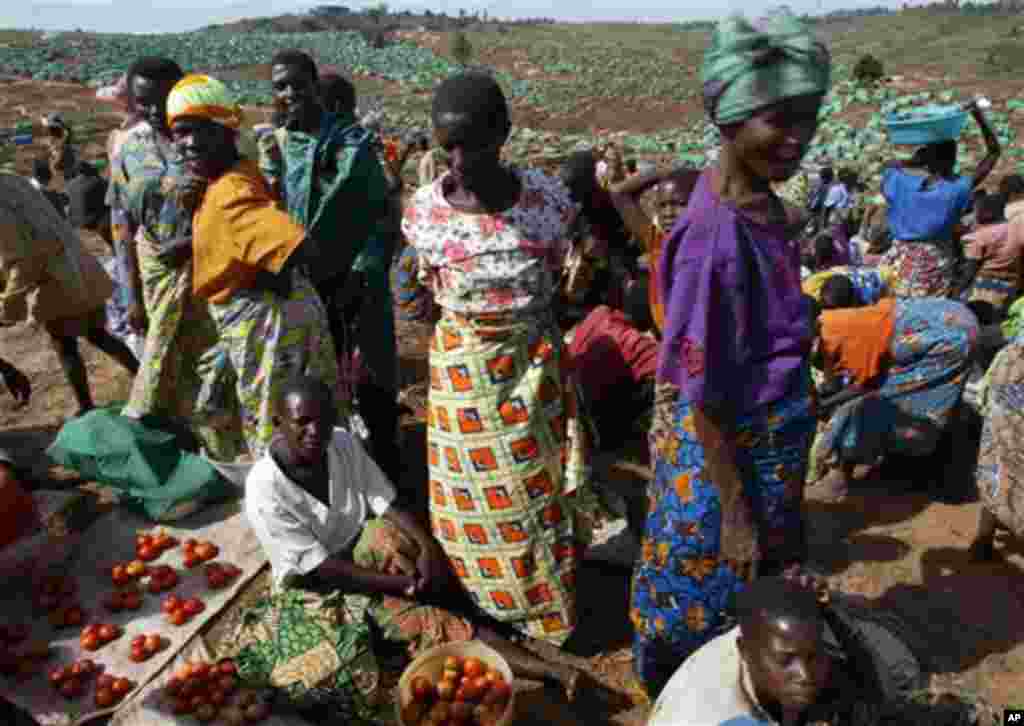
{"x": 492, "y": 263}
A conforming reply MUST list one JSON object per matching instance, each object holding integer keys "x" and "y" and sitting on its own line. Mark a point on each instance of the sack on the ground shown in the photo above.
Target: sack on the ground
{"x": 148, "y": 465}
{"x": 303, "y": 647}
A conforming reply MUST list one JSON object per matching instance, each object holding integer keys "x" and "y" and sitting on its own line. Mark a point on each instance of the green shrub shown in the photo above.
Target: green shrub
{"x": 461, "y": 49}
{"x": 868, "y": 70}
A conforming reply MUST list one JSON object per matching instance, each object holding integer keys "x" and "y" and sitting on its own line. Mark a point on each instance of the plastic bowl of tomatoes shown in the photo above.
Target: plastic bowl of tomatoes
{"x": 465, "y": 683}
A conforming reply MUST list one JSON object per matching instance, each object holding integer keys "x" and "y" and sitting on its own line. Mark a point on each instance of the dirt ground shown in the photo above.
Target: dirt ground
{"x": 901, "y": 544}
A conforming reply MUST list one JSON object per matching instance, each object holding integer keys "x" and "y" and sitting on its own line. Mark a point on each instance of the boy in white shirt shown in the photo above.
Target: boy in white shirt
{"x": 326, "y": 517}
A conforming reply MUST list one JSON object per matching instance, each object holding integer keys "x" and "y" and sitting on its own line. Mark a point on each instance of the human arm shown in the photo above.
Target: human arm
{"x": 17, "y": 383}
{"x": 992, "y": 146}
{"x": 626, "y": 198}
{"x": 716, "y": 432}
{"x": 431, "y": 563}
{"x": 23, "y": 269}
{"x": 706, "y": 325}
{"x": 123, "y": 230}
{"x": 271, "y": 163}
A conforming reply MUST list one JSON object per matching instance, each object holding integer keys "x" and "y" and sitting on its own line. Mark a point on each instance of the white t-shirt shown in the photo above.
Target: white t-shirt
{"x": 296, "y": 530}
{"x": 711, "y": 688}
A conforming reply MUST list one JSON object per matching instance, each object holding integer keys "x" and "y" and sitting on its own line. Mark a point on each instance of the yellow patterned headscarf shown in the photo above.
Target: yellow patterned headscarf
{"x": 204, "y": 97}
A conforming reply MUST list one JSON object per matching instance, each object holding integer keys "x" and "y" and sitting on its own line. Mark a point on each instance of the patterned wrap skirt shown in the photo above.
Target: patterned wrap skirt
{"x": 1000, "y": 474}
{"x": 264, "y": 341}
{"x": 929, "y": 364}
{"x": 507, "y": 453}
{"x": 177, "y": 366}
{"x": 920, "y": 269}
{"x": 681, "y": 586}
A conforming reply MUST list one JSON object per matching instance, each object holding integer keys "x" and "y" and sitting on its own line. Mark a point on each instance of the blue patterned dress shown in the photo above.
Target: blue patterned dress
{"x": 928, "y": 367}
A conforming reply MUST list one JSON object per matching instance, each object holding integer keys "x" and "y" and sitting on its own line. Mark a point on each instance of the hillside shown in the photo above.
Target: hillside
{"x": 571, "y": 85}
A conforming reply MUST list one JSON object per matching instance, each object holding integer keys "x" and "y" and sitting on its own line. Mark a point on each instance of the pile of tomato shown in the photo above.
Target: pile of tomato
{"x": 210, "y": 691}
{"x": 467, "y": 694}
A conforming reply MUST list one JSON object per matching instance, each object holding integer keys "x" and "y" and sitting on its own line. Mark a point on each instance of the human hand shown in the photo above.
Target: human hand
{"x": 740, "y": 541}
{"x": 17, "y": 383}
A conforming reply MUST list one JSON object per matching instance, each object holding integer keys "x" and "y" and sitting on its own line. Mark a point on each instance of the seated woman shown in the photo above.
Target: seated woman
{"x": 993, "y": 269}
{"x": 328, "y": 522}
{"x": 907, "y": 361}
{"x": 1000, "y": 473}
{"x": 49, "y": 278}
{"x": 871, "y": 284}
{"x": 249, "y": 262}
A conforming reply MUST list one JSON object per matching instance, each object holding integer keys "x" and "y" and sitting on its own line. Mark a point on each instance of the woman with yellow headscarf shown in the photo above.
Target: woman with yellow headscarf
{"x": 247, "y": 261}
{"x": 733, "y": 419}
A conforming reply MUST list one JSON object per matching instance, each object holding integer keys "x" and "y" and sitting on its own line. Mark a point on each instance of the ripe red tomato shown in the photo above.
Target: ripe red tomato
{"x": 108, "y": 632}
{"x": 153, "y": 643}
{"x": 131, "y": 601}
{"x": 182, "y": 706}
{"x": 170, "y": 604}
{"x": 193, "y": 606}
{"x": 104, "y": 698}
{"x": 499, "y": 693}
{"x": 90, "y": 641}
{"x": 121, "y": 686}
{"x": 178, "y": 617}
{"x": 422, "y": 689}
{"x": 138, "y": 655}
{"x": 71, "y": 688}
{"x": 474, "y": 668}
{"x": 446, "y": 690}
{"x": 147, "y": 553}
{"x": 105, "y": 681}
{"x": 227, "y": 667}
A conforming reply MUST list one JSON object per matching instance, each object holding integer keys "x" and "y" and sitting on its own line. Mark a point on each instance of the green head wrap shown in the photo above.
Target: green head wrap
{"x": 751, "y": 65}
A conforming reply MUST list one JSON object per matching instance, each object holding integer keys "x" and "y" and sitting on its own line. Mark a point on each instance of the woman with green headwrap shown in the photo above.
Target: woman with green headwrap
{"x": 733, "y": 416}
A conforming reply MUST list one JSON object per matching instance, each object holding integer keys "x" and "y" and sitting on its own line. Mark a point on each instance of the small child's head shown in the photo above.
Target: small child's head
{"x": 306, "y": 416}
{"x": 838, "y": 293}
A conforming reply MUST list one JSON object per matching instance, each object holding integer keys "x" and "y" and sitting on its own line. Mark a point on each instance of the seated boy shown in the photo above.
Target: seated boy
{"x": 328, "y": 521}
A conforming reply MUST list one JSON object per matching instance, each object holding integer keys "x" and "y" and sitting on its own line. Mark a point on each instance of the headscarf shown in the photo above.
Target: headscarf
{"x": 753, "y": 65}
{"x": 203, "y": 97}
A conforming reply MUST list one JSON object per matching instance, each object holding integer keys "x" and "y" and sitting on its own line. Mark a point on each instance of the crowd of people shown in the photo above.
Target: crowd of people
{"x": 761, "y": 347}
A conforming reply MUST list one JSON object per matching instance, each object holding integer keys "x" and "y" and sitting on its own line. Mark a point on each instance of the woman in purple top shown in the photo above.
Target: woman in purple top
{"x": 926, "y": 200}
{"x": 733, "y": 412}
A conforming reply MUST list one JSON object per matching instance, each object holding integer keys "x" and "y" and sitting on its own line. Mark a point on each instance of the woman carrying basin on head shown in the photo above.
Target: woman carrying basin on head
{"x": 926, "y": 199}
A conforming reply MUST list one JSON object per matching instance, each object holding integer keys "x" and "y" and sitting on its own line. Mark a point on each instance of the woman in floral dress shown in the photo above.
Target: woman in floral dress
{"x": 506, "y": 449}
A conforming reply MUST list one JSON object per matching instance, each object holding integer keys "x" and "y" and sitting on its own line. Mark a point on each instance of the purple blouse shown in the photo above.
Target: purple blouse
{"x": 737, "y": 329}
